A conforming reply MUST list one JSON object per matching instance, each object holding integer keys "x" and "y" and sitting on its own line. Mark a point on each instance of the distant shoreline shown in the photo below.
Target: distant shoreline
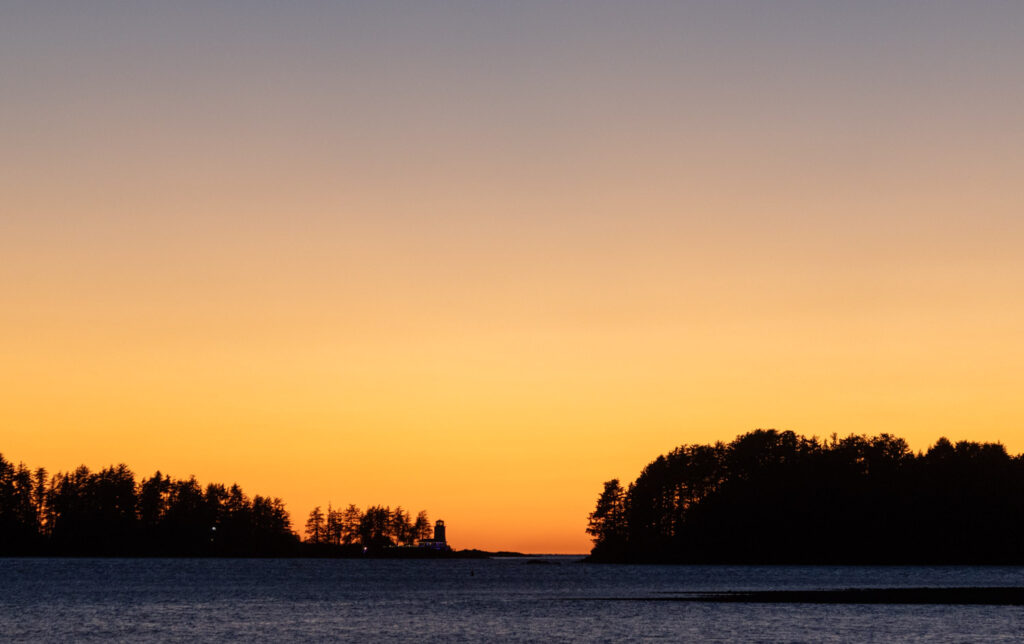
{"x": 319, "y": 553}
{"x": 991, "y": 596}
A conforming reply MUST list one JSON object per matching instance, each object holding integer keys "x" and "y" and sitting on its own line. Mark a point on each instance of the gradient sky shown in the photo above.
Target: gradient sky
{"x": 480, "y": 257}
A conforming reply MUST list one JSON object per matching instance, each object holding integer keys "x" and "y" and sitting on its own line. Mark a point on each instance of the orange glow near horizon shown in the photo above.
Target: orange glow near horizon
{"x": 479, "y": 262}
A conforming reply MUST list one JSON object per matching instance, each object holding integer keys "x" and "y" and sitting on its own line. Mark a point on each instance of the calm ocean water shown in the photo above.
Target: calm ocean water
{"x": 491, "y": 600}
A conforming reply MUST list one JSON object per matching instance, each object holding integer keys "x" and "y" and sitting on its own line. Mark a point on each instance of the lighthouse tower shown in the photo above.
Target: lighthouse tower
{"x": 440, "y": 540}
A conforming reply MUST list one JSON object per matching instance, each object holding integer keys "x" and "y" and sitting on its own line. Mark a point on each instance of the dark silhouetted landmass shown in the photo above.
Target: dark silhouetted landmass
{"x": 355, "y": 551}
{"x": 382, "y": 533}
{"x": 377, "y": 527}
{"x": 777, "y": 497}
{"x": 108, "y": 513}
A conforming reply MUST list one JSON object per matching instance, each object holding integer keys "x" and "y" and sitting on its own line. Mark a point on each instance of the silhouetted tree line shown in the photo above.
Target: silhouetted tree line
{"x": 377, "y": 527}
{"x": 107, "y": 513}
{"x": 777, "y": 497}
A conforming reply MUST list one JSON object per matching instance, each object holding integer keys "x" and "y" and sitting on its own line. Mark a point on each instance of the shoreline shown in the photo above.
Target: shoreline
{"x": 962, "y": 595}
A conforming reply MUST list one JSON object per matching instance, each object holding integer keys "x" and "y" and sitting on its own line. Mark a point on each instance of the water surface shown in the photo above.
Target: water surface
{"x": 472, "y": 600}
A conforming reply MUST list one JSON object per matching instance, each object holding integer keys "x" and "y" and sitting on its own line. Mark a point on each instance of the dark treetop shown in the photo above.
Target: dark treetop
{"x": 108, "y": 513}
{"x": 777, "y": 497}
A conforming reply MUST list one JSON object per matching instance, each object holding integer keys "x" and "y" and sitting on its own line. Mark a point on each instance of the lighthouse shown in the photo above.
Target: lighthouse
{"x": 440, "y": 540}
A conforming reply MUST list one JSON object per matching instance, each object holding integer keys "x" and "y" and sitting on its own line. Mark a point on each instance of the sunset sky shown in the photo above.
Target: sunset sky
{"x": 479, "y": 257}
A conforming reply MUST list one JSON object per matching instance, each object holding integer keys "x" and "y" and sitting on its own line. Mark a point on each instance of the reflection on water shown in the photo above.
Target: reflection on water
{"x": 506, "y": 599}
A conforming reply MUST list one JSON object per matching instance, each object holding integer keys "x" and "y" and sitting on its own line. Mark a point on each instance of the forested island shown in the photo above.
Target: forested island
{"x": 108, "y": 513}
{"x": 772, "y": 497}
